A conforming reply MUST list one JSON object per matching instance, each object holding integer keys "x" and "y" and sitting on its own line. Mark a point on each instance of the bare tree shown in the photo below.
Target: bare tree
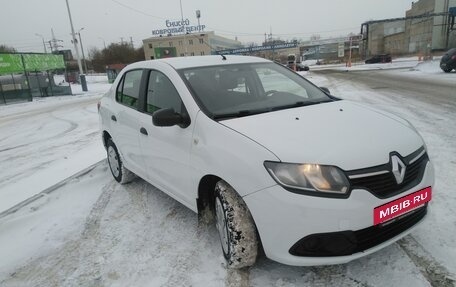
{"x": 7, "y": 49}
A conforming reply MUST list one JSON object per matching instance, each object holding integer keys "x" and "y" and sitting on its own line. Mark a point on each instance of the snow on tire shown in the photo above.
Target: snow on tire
{"x": 236, "y": 228}
{"x": 120, "y": 173}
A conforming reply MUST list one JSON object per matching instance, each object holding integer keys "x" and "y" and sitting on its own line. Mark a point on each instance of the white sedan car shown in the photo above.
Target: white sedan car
{"x": 277, "y": 161}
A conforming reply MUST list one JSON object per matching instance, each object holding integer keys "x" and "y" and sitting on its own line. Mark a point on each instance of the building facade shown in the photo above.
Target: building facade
{"x": 332, "y": 50}
{"x": 408, "y": 35}
{"x": 432, "y": 33}
{"x": 193, "y": 44}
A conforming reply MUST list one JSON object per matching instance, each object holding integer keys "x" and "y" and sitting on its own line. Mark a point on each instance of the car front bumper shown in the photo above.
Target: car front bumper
{"x": 284, "y": 218}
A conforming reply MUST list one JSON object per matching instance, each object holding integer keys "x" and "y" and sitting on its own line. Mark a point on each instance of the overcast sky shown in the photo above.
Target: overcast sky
{"x": 111, "y": 20}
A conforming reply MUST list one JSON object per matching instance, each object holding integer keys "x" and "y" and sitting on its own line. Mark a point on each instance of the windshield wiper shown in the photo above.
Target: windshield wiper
{"x": 244, "y": 113}
{"x": 298, "y": 104}
{"x": 238, "y": 114}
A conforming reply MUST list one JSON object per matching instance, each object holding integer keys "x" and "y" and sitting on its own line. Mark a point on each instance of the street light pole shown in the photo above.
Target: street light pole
{"x": 42, "y": 38}
{"x": 198, "y": 16}
{"x": 82, "y": 50}
{"x": 104, "y": 42}
{"x": 81, "y": 72}
{"x": 185, "y": 32}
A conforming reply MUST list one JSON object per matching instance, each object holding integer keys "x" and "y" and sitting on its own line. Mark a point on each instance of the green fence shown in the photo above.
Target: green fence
{"x": 24, "y": 76}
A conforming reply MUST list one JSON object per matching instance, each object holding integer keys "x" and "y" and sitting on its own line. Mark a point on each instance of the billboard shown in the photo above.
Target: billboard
{"x": 12, "y": 63}
{"x": 165, "y": 52}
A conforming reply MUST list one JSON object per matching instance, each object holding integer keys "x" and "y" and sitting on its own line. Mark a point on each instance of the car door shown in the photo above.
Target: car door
{"x": 166, "y": 150}
{"x": 125, "y": 122}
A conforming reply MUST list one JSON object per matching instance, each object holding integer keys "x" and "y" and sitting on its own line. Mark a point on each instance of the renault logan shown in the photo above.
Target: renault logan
{"x": 277, "y": 162}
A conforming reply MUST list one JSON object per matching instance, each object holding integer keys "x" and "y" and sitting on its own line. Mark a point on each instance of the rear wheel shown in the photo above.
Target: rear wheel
{"x": 447, "y": 70}
{"x": 237, "y": 231}
{"x": 120, "y": 173}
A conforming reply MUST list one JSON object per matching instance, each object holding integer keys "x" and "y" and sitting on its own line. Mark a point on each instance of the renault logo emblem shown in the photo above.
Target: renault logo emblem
{"x": 398, "y": 169}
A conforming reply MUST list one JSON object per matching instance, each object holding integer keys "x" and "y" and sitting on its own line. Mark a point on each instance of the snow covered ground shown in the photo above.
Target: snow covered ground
{"x": 48, "y": 140}
{"x": 91, "y": 231}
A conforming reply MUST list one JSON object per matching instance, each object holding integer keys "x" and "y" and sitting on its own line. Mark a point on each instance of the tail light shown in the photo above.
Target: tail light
{"x": 98, "y": 106}
{"x": 454, "y": 57}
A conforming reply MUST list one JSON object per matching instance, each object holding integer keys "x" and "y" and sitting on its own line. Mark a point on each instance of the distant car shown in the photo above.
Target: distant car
{"x": 383, "y": 58}
{"x": 448, "y": 61}
{"x": 280, "y": 165}
{"x": 301, "y": 67}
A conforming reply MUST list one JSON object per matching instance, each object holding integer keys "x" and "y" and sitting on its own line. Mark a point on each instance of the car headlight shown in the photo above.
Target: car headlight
{"x": 313, "y": 179}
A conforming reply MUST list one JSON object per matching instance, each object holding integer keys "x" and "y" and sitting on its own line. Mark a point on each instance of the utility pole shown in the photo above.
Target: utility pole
{"x": 198, "y": 16}
{"x": 55, "y": 42}
{"x": 50, "y": 45}
{"x": 82, "y": 49}
{"x": 104, "y": 42}
{"x": 183, "y": 25}
{"x": 81, "y": 73}
{"x": 42, "y": 38}
{"x": 350, "y": 55}
{"x": 131, "y": 42}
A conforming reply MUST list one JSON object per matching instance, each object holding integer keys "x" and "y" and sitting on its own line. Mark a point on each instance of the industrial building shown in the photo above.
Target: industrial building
{"x": 429, "y": 25}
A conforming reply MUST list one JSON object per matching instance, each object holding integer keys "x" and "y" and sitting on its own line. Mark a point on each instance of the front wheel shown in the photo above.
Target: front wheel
{"x": 235, "y": 226}
{"x": 120, "y": 173}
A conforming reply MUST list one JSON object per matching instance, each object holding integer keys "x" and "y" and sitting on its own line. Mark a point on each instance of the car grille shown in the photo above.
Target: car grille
{"x": 384, "y": 185}
{"x": 350, "y": 242}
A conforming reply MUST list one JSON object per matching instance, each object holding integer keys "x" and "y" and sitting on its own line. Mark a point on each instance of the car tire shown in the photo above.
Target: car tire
{"x": 237, "y": 231}
{"x": 120, "y": 173}
{"x": 448, "y": 70}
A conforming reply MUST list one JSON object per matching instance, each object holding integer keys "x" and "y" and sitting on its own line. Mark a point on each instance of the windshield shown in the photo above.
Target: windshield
{"x": 245, "y": 89}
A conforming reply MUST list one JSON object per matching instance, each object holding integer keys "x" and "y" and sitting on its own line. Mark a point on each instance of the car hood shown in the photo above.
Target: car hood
{"x": 340, "y": 133}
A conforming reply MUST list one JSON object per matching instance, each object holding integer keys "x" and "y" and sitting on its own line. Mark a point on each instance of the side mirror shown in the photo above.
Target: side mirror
{"x": 326, "y": 90}
{"x": 169, "y": 118}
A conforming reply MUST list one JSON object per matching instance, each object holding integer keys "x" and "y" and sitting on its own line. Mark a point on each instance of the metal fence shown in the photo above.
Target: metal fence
{"x": 24, "y": 76}
{"x": 24, "y": 87}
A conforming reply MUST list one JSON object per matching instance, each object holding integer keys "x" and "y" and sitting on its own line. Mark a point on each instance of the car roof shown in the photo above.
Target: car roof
{"x": 202, "y": 61}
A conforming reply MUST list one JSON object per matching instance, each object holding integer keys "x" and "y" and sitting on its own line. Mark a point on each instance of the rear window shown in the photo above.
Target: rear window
{"x": 128, "y": 89}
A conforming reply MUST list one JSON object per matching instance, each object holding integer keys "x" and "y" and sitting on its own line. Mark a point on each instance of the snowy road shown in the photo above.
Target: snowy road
{"x": 94, "y": 232}
{"x": 49, "y": 135}
{"x": 403, "y": 83}
{"x": 135, "y": 235}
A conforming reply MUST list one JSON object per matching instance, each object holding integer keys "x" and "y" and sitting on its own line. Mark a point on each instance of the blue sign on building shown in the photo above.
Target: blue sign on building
{"x": 452, "y": 11}
{"x": 248, "y": 50}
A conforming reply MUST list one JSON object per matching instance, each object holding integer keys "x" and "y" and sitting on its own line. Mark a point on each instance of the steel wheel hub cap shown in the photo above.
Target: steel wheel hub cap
{"x": 113, "y": 161}
{"x": 220, "y": 222}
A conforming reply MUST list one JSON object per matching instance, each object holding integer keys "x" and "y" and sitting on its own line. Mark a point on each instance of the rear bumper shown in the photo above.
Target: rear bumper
{"x": 284, "y": 218}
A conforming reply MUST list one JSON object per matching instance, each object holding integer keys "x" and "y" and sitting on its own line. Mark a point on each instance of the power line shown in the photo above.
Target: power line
{"x": 241, "y": 34}
{"x": 136, "y": 10}
{"x": 234, "y": 33}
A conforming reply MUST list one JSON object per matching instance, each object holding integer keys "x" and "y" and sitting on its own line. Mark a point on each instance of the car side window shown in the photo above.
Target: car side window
{"x": 161, "y": 94}
{"x": 128, "y": 89}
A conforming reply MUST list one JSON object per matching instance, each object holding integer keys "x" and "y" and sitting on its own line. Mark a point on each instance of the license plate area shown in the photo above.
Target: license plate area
{"x": 401, "y": 206}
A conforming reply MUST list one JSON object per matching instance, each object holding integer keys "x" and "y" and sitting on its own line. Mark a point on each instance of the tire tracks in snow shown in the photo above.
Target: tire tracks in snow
{"x": 237, "y": 277}
{"x": 436, "y": 274}
{"x": 70, "y": 265}
{"x": 73, "y": 126}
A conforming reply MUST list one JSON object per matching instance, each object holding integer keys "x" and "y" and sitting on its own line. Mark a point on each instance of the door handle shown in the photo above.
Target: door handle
{"x": 113, "y": 117}
{"x": 143, "y": 131}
